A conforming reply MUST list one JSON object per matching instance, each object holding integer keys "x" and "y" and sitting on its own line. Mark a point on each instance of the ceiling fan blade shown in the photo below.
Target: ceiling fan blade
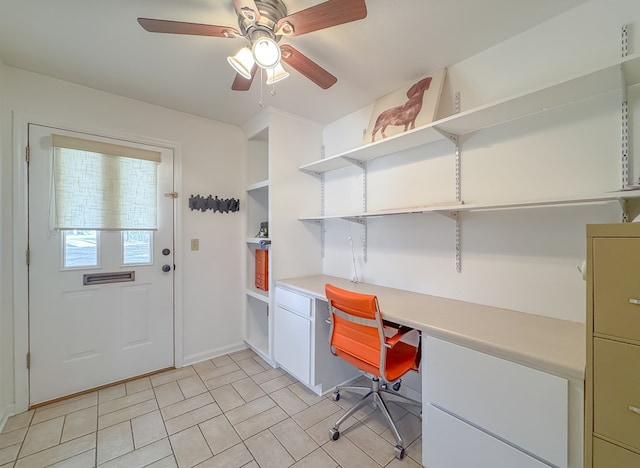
{"x": 240, "y": 83}
{"x": 321, "y": 16}
{"x": 306, "y": 66}
{"x": 247, "y": 9}
{"x": 194, "y": 29}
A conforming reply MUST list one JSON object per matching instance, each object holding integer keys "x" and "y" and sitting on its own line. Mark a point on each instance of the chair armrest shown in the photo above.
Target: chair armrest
{"x": 391, "y": 341}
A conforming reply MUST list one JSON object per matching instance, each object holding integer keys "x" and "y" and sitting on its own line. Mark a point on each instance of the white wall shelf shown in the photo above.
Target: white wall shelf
{"x": 264, "y": 184}
{"x": 258, "y": 294}
{"x": 624, "y": 72}
{"x": 257, "y": 240}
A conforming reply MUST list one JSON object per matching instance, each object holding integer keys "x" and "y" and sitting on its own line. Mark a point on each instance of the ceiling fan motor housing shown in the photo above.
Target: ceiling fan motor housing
{"x": 271, "y": 11}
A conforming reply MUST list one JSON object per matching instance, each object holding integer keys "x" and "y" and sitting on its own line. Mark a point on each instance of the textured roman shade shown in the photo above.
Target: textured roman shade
{"x": 103, "y": 186}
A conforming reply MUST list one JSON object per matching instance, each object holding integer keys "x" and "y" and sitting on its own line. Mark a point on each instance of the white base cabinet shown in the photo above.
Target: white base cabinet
{"x": 301, "y": 342}
{"x": 492, "y": 409}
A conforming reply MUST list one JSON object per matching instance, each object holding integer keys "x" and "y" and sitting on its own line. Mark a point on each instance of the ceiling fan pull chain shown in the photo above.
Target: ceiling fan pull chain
{"x": 260, "y": 103}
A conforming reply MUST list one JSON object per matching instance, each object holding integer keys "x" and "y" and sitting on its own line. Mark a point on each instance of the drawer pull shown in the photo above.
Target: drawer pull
{"x": 634, "y": 301}
{"x": 635, "y": 409}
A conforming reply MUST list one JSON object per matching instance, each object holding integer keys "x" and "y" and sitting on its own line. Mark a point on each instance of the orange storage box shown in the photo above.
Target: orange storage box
{"x": 262, "y": 269}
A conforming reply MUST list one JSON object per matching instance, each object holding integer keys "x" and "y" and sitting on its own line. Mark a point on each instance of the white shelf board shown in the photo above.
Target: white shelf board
{"x": 448, "y": 208}
{"x": 257, "y": 240}
{"x": 258, "y": 185}
{"x": 556, "y": 95}
{"x": 258, "y": 294}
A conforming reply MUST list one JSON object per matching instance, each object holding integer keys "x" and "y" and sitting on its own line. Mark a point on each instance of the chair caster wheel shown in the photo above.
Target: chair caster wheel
{"x": 396, "y": 386}
{"x": 334, "y": 434}
{"x": 398, "y": 452}
{"x": 335, "y": 396}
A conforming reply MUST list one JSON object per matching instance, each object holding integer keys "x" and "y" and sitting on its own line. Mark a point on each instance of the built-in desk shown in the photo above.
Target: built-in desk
{"x": 505, "y": 384}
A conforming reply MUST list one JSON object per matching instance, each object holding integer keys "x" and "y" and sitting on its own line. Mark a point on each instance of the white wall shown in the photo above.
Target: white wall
{"x": 523, "y": 260}
{"x": 211, "y": 153}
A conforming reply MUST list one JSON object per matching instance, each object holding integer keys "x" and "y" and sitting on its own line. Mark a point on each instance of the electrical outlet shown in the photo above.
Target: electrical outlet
{"x": 195, "y": 244}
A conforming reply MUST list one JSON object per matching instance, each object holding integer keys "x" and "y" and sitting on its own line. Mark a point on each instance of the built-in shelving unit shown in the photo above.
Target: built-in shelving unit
{"x": 616, "y": 77}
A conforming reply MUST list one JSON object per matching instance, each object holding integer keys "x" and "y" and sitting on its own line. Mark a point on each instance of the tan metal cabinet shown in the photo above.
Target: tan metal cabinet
{"x": 612, "y": 409}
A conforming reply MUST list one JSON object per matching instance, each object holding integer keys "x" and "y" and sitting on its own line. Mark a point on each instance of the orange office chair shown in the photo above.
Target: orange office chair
{"x": 358, "y": 336}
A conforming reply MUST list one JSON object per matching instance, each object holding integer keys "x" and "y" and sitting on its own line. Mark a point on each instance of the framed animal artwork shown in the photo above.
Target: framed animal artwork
{"x": 412, "y": 106}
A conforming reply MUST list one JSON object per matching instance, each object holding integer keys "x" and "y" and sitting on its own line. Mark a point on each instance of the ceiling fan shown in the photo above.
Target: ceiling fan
{"x": 263, "y": 23}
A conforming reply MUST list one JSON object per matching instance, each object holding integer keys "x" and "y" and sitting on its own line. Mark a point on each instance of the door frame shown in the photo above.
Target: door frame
{"x": 20, "y": 241}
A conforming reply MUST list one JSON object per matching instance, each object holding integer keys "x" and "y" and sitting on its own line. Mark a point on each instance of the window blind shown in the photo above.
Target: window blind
{"x": 103, "y": 186}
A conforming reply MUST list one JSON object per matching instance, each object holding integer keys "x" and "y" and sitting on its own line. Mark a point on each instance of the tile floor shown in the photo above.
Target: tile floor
{"x": 231, "y": 411}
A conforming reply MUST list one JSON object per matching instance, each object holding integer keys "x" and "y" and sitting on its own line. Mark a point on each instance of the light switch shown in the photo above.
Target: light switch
{"x": 195, "y": 244}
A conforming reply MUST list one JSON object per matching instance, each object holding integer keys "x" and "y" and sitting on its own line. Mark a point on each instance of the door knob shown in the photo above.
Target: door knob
{"x": 166, "y": 268}
{"x": 166, "y": 252}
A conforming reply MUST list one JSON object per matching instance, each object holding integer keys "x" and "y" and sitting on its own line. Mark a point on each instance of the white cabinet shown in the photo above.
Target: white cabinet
{"x": 301, "y": 342}
{"x": 500, "y": 406}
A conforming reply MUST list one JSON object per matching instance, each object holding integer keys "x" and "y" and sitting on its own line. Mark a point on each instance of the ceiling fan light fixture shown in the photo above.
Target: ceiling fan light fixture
{"x": 242, "y": 62}
{"x": 275, "y": 74}
{"x": 266, "y": 52}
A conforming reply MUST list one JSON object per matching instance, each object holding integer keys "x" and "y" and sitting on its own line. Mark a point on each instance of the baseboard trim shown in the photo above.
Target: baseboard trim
{"x": 213, "y": 353}
{"x": 5, "y": 413}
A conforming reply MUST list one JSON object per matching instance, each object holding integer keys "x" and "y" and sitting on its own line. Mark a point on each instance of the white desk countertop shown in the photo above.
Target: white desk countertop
{"x": 550, "y": 345}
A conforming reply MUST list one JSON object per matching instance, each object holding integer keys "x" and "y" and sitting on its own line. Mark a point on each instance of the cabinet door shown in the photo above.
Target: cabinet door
{"x": 451, "y": 443}
{"x": 606, "y": 455}
{"x": 292, "y": 343}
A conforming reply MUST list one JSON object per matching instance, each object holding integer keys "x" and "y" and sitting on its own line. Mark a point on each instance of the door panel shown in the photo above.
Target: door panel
{"x": 84, "y": 336}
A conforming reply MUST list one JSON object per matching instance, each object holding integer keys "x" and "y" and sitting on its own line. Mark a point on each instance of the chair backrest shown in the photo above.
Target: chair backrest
{"x": 357, "y": 332}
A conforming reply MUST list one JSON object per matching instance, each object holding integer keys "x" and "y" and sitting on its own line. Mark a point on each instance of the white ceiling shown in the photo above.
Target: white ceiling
{"x": 98, "y": 43}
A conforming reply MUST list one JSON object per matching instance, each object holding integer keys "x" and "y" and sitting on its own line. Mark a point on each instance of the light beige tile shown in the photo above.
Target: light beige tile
{"x": 250, "y": 366}
{"x": 251, "y": 464}
{"x": 225, "y": 379}
{"x": 260, "y": 422}
{"x": 317, "y": 459}
{"x": 314, "y": 414}
{"x": 111, "y": 393}
{"x": 142, "y": 457}
{"x": 406, "y": 462}
{"x": 192, "y": 386}
{"x": 265, "y": 365}
{"x": 305, "y": 394}
{"x": 297, "y": 442}
{"x": 172, "y": 375}
{"x": 219, "y": 434}
{"x": 63, "y": 407}
{"x": 114, "y": 441}
{"x": 127, "y": 413}
{"x": 192, "y": 418}
{"x": 370, "y": 443}
{"x": 348, "y": 455}
{"x": 166, "y": 462}
{"x": 244, "y": 354}
{"x": 182, "y": 407}
{"x": 12, "y": 438}
{"x": 59, "y": 452}
{"x": 80, "y": 423}
{"x": 168, "y": 394}
{"x": 250, "y": 409}
{"x": 124, "y": 402}
{"x": 378, "y": 423}
{"x": 222, "y": 361}
{"x": 218, "y": 372}
{"x": 204, "y": 366}
{"x": 19, "y": 421}
{"x": 277, "y": 383}
{"x": 415, "y": 450}
{"x": 268, "y": 452}
{"x": 148, "y": 428}
{"x": 42, "y": 436}
{"x": 138, "y": 385}
{"x": 9, "y": 454}
{"x": 190, "y": 447}
{"x": 288, "y": 401}
{"x": 248, "y": 389}
{"x": 409, "y": 427}
{"x": 234, "y": 457}
{"x": 348, "y": 399}
{"x": 83, "y": 460}
{"x": 267, "y": 375}
{"x": 320, "y": 431}
{"x": 227, "y": 397}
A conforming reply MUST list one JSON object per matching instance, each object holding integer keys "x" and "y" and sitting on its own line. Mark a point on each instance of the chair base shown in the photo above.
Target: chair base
{"x": 375, "y": 391}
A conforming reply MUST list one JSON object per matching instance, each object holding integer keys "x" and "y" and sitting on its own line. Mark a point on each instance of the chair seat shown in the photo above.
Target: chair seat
{"x": 400, "y": 359}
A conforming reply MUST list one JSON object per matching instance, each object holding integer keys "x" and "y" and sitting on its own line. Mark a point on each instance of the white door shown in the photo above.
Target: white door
{"x": 82, "y": 336}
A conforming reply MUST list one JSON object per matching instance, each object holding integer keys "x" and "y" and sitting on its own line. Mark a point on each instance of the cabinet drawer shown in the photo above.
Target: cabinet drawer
{"x": 523, "y": 406}
{"x": 292, "y": 343}
{"x": 295, "y": 302}
{"x": 616, "y": 265}
{"x": 451, "y": 443}
{"x": 616, "y": 388}
{"x": 606, "y": 455}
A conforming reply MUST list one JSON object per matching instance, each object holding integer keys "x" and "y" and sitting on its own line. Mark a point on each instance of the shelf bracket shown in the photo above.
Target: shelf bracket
{"x": 624, "y": 206}
{"x": 624, "y": 149}
{"x": 356, "y": 162}
{"x": 448, "y": 135}
{"x": 313, "y": 173}
{"x": 322, "y": 204}
{"x": 455, "y": 215}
